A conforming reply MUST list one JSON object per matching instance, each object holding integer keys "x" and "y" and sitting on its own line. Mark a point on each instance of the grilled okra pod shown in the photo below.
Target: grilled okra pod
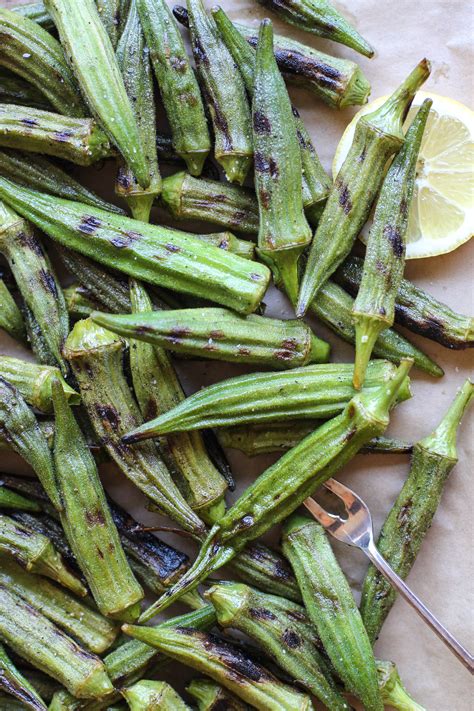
{"x": 392, "y": 690}
{"x": 158, "y": 255}
{"x": 34, "y": 382}
{"x": 287, "y": 483}
{"x": 332, "y": 609}
{"x": 93, "y": 61}
{"x": 384, "y": 263}
{"x": 226, "y": 664}
{"x": 36, "y": 280}
{"x": 109, "y": 13}
{"x": 87, "y": 521}
{"x": 417, "y": 310}
{"x": 267, "y": 570}
{"x": 282, "y": 629}
{"x": 11, "y": 319}
{"x": 412, "y": 514}
{"x": 212, "y": 697}
{"x": 16, "y": 685}
{"x": 151, "y": 695}
{"x": 37, "y": 12}
{"x": 133, "y": 57}
{"x": 178, "y": 85}
{"x": 15, "y": 90}
{"x": 284, "y": 232}
{"x": 40, "y": 642}
{"x": 96, "y": 359}
{"x": 333, "y": 306}
{"x": 378, "y": 136}
{"x": 157, "y": 389}
{"x": 31, "y": 52}
{"x": 79, "y": 302}
{"x": 224, "y": 93}
{"x": 219, "y": 334}
{"x": 16, "y": 502}
{"x": 314, "y": 391}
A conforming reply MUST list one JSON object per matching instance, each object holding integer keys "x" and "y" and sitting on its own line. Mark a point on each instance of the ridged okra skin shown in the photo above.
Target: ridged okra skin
{"x": 80, "y": 303}
{"x": 31, "y": 52}
{"x": 96, "y": 357}
{"x": 284, "y": 232}
{"x": 11, "y": 319}
{"x": 17, "y": 686}
{"x": 333, "y": 306}
{"x": 93, "y": 61}
{"x": 133, "y": 57}
{"x": 155, "y": 254}
{"x": 15, "y": 90}
{"x": 12, "y": 500}
{"x": 34, "y": 382}
{"x": 384, "y": 263}
{"x": 267, "y": 570}
{"x": 417, "y": 310}
{"x": 111, "y": 17}
{"x": 224, "y": 663}
{"x": 230, "y": 206}
{"x": 87, "y": 521}
{"x": 211, "y": 696}
{"x": 158, "y": 389}
{"x": 148, "y": 695}
{"x": 178, "y": 85}
{"x": 332, "y": 609}
{"x": 314, "y": 391}
{"x": 41, "y": 643}
{"x": 36, "y": 280}
{"x": 283, "y": 630}
{"x": 412, "y": 514}
{"x": 377, "y": 137}
{"x": 224, "y": 93}
{"x": 37, "y": 12}
{"x": 286, "y": 484}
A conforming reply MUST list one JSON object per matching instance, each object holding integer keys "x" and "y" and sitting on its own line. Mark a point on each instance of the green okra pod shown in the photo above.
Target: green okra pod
{"x": 286, "y": 484}
{"x": 384, "y": 263}
{"x": 15, "y": 90}
{"x": 40, "y": 642}
{"x": 412, "y": 514}
{"x": 417, "y": 310}
{"x": 75, "y": 617}
{"x": 224, "y": 93}
{"x": 158, "y": 255}
{"x": 314, "y": 391}
{"x": 148, "y": 695}
{"x": 87, "y": 521}
{"x": 158, "y": 389}
{"x": 377, "y": 137}
{"x": 333, "y": 306}
{"x": 11, "y": 319}
{"x": 109, "y": 13}
{"x": 133, "y": 57}
{"x": 79, "y": 302}
{"x": 36, "y": 280}
{"x": 284, "y": 232}
{"x": 36, "y": 339}
{"x": 17, "y": 686}
{"x": 31, "y": 52}
{"x": 267, "y": 570}
{"x": 93, "y": 61}
{"x": 34, "y": 382}
{"x": 282, "y": 629}
{"x": 96, "y": 356}
{"x": 226, "y": 664}
{"x": 16, "y": 502}
{"x": 392, "y": 690}
{"x": 331, "y": 608}
{"x": 212, "y": 697}
{"x": 37, "y": 12}
{"x": 178, "y": 85}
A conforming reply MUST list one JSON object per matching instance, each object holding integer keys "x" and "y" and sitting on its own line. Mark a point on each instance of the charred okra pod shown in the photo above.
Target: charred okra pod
{"x": 417, "y": 310}
{"x": 219, "y": 334}
{"x": 225, "y": 663}
{"x": 333, "y": 306}
{"x": 224, "y": 93}
{"x": 157, "y": 390}
{"x": 412, "y": 514}
{"x": 267, "y": 570}
{"x": 96, "y": 359}
{"x": 87, "y": 521}
{"x": 332, "y": 609}
{"x": 158, "y": 255}
{"x": 285, "y": 485}
{"x": 35, "y": 55}
{"x": 212, "y": 697}
{"x": 321, "y": 18}
{"x": 93, "y": 61}
{"x": 10, "y": 315}
{"x": 282, "y": 629}
{"x": 178, "y": 85}
{"x": 40, "y": 642}
{"x": 151, "y": 695}
{"x": 36, "y": 280}
{"x": 392, "y": 690}
{"x": 384, "y": 263}
{"x": 133, "y": 57}
{"x": 16, "y": 502}
{"x": 378, "y": 136}
{"x": 35, "y": 381}
{"x": 315, "y": 391}
{"x": 14, "y": 90}
{"x": 284, "y": 232}
{"x": 16, "y": 685}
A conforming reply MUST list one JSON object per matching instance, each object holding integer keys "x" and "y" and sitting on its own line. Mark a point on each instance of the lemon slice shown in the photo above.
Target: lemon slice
{"x": 442, "y": 211}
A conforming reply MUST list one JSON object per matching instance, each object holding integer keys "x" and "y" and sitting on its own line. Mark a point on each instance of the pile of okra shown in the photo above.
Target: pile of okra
{"x": 273, "y": 628}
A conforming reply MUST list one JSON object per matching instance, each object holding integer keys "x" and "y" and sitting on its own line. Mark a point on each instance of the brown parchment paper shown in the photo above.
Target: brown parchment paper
{"x": 402, "y": 31}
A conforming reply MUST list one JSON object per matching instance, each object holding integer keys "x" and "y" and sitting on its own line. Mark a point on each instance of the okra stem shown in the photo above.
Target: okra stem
{"x": 16, "y": 685}
{"x": 34, "y": 382}
{"x": 393, "y": 692}
{"x": 11, "y": 319}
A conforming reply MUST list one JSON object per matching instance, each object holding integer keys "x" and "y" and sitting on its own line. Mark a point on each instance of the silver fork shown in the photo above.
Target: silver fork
{"x": 356, "y": 530}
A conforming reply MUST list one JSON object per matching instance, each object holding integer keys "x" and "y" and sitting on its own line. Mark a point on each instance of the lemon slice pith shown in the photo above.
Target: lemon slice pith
{"x": 442, "y": 210}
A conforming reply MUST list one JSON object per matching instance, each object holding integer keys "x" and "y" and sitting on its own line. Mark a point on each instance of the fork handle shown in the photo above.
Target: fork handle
{"x": 457, "y": 649}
